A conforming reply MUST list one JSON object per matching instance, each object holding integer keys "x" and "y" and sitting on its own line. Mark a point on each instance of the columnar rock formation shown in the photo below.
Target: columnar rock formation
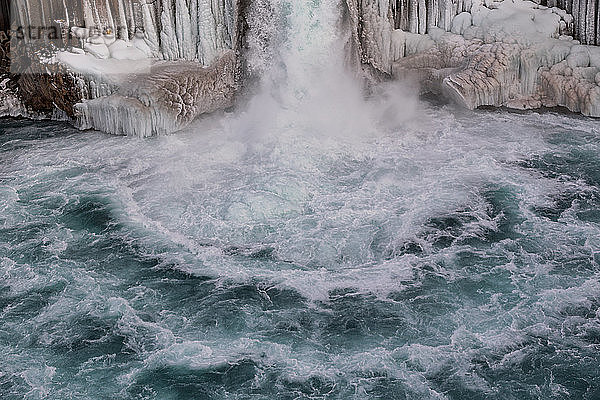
{"x": 512, "y": 53}
{"x": 587, "y": 18}
{"x": 174, "y": 29}
{"x": 420, "y": 16}
{"x": 150, "y": 66}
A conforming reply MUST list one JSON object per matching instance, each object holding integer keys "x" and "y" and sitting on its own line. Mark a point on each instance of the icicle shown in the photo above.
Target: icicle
{"x": 109, "y": 18}
{"x": 183, "y": 30}
{"x": 168, "y": 39}
{"x": 582, "y": 20}
{"x": 576, "y": 28}
{"x": 149, "y": 18}
{"x": 590, "y": 21}
{"x": 468, "y": 5}
{"x": 67, "y": 19}
{"x": 122, "y": 29}
{"x": 403, "y": 15}
{"x": 97, "y": 23}
{"x": 413, "y": 19}
{"x": 598, "y": 26}
{"x": 194, "y": 24}
{"x": 131, "y": 21}
{"x": 432, "y": 14}
{"x": 448, "y": 14}
{"x": 422, "y": 17}
{"x": 88, "y": 16}
{"x": 207, "y": 35}
{"x": 229, "y": 13}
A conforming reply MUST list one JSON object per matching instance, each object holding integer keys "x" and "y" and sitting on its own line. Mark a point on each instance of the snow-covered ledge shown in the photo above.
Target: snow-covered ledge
{"x": 510, "y": 53}
{"x": 129, "y": 92}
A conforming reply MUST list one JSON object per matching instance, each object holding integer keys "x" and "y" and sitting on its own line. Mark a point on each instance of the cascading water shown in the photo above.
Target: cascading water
{"x": 305, "y": 86}
{"x": 312, "y": 244}
{"x": 299, "y": 58}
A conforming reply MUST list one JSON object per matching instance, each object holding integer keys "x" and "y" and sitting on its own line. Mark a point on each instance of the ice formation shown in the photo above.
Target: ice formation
{"x": 510, "y": 53}
{"x": 129, "y": 97}
{"x": 144, "y": 67}
{"x": 421, "y": 16}
{"x": 174, "y": 29}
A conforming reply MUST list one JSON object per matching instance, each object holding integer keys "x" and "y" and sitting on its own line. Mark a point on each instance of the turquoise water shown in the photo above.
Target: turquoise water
{"x": 454, "y": 257}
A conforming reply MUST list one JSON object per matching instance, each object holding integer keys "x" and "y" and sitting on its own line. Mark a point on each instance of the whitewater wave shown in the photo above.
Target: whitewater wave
{"x": 432, "y": 262}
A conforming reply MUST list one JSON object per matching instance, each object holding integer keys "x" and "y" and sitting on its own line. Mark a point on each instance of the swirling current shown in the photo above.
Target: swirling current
{"x": 456, "y": 258}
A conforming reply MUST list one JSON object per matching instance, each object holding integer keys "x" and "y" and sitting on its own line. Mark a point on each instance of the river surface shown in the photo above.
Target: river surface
{"x": 456, "y": 257}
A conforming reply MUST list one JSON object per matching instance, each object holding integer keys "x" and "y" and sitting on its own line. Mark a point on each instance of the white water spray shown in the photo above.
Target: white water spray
{"x": 298, "y": 50}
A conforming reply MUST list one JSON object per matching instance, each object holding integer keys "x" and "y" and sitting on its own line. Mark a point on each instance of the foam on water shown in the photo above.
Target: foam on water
{"x": 456, "y": 256}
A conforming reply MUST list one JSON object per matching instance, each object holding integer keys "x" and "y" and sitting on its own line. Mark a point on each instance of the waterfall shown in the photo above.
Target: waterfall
{"x": 303, "y": 44}
{"x": 297, "y": 49}
{"x": 306, "y": 86}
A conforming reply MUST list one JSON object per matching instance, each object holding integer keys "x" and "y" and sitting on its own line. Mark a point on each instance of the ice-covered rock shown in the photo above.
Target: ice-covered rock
{"x": 499, "y": 53}
{"x": 461, "y": 22}
{"x": 372, "y": 20}
{"x": 576, "y": 89}
{"x": 579, "y": 57}
{"x": 371, "y": 32}
{"x": 97, "y": 47}
{"x": 139, "y": 42}
{"x": 122, "y": 50}
{"x": 80, "y": 33}
{"x": 164, "y": 100}
{"x": 101, "y": 77}
{"x": 109, "y": 38}
{"x": 148, "y": 97}
{"x": 119, "y": 49}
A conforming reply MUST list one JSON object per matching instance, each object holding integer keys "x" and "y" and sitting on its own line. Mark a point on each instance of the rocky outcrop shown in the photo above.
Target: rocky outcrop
{"x": 575, "y": 86}
{"x": 163, "y": 99}
{"x": 36, "y": 90}
{"x": 510, "y": 53}
{"x": 150, "y": 66}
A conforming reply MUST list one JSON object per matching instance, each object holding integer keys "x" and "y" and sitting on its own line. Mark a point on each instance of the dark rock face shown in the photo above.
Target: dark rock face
{"x": 50, "y": 91}
{"x": 4, "y": 15}
{"x": 41, "y": 88}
